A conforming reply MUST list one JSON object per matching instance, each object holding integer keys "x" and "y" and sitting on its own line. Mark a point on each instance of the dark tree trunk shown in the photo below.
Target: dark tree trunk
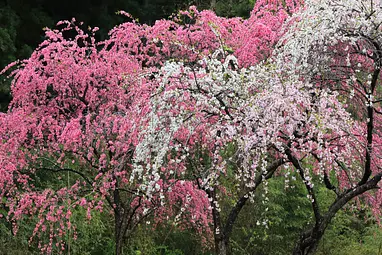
{"x": 308, "y": 241}
{"x": 120, "y": 228}
{"x": 122, "y": 222}
{"x": 222, "y": 232}
{"x": 119, "y": 233}
{"x": 222, "y": 241}
{"x": 222, "y": 246}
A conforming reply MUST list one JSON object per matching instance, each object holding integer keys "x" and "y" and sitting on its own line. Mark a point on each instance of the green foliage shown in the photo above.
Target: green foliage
{"x": 288, "y": 211}
{"x": 349, "y": 234}
{"x": 233, "y": 8}
{"x": 166, "y": 239}
{"x": 9, "y": 21}
{"x": 16, "y": 245}
{"x": 179, "y": 242}
{"x": 95, "y": 236}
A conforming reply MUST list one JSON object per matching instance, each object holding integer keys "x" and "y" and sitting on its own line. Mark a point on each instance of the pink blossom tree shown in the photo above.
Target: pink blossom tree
{"x": 77, "y": 115}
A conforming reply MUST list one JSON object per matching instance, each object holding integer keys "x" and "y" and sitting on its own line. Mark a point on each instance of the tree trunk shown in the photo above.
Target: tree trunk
{"x": 123, "y": 229}
{"x": 222, "y": 246}
{"x": 118, "y": 234}
{"x": 121, "y": 222}
{"x": 222, "y": 232}
{"x": 308, "y": 241}
{"x": 305, "y": 250}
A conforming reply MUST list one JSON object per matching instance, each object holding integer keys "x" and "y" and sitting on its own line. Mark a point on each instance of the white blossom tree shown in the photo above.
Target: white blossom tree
{"x": 336, "y": 46}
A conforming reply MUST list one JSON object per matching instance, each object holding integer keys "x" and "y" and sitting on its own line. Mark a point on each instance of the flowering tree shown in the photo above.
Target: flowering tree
{"x": 243, "y": 125}
{"x": 266, "y": 116}
{"x": 299, "y": 109}
{"x": 336, "y": 45}
{"x": 77, "y": 113}
{"x": 80, "y": 113}
{"x": 155, "y": 119}
{"x": 81, "y": 107}
{"x": 201, "y": 106}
